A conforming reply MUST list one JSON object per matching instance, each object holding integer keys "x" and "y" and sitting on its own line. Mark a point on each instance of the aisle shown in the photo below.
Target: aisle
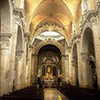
{"x": 53, "y": 94}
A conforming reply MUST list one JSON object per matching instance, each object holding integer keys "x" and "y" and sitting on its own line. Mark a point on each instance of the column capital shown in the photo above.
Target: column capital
{"x": 85, "y": 56}
{"x": 65, "y": 56}
{"x": 19, "y": 54}
{"x": 73, "y": 62}
{"x": 34, "y": 55}
{"x": 69, "y": 48}
{"x": 5, "y": 40}
{"x": 27, "y": 37}
{"x": 19, "y": 12}
{"x": 76, "y": 38}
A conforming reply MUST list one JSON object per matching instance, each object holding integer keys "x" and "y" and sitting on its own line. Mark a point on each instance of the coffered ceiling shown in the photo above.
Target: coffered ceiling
{"x": 60, "y": 12}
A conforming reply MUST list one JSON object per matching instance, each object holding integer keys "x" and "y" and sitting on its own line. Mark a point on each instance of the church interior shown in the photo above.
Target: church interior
{"x": 49, "y": 47}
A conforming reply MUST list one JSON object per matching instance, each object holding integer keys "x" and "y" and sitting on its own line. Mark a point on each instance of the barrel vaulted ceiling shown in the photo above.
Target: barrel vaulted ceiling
{"x": 60, "y": 12}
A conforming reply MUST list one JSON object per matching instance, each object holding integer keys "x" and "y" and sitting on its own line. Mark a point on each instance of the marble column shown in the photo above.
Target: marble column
{"x": 4, "y": 61}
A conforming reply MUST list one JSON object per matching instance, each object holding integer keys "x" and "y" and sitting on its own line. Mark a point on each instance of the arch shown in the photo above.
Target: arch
{"x": 46, "y": 42}
{"x": 5, "y": 16}
{"x": 40, "y": 45}
{"x": 86, "y": 39}
{"x": 49, "y": 56}
{"x": 89, "y": 50}
{"x": 51, "y": 26}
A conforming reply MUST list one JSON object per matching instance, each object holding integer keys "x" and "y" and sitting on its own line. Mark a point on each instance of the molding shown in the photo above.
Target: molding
{"x": 65, "y": 56}
{"x": 75, "y": 38}
{"x": 19, "y": 12}
{"x": 5, "y": 35}
{"x": 34, "y": 55}
{"x": 5, "y": 40}
{"x": 49, "y": 26}
{"x": 89, "y": 16}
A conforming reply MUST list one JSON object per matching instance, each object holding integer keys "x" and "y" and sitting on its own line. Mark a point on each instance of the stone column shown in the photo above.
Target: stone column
{"x": 29, "y": 65}
{"x": 18, "y": 69}
{"x": 34, "y": 67}
{"x": 63, "y": 66}
{"x": 25, "y": 68}
{"x": 86, "y": 70}
{"x": 96, "y": 34}
{"x": 80, "y": 71}
{"x": 67, "y": 68}
{"x": 70, "y": 67}
{"x": 73, "y": 71}
{"x": 4, "y": 61}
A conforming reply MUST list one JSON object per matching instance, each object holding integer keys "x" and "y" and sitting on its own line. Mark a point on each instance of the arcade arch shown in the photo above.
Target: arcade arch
{"x": 88, "y": 57}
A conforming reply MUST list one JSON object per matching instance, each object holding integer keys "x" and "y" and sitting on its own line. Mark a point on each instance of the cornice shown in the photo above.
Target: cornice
{"x": 87, "y": 16}
{"x": 5, "y": 35}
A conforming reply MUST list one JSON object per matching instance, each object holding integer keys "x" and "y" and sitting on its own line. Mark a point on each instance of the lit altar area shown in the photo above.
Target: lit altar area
{"x": 49, "y": 67}
{"x": 49, "y": 78}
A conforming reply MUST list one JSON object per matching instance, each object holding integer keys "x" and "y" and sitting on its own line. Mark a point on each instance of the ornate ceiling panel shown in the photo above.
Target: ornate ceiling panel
{"x": 61, "y": 12}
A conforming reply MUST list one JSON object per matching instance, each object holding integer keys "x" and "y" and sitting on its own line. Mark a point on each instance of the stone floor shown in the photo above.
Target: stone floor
{"x": 53, "y": 94}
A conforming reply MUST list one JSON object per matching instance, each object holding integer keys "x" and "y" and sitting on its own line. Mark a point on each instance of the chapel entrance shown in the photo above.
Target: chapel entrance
{"x": 49, "y": 63}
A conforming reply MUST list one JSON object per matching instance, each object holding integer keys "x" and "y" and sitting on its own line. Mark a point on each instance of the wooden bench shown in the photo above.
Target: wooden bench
{"x": 29, "y": 93}
{"x": 77, "y": 93}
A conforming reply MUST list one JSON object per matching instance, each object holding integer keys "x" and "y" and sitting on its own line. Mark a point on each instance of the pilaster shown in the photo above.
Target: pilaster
{"x": 95, "y": 29}
{"x": 4, "y": 62}
{"x": 67, "y": 68}
{"x": 18, "y": 69}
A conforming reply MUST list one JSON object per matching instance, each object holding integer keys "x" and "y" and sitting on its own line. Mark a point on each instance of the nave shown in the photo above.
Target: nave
{"x": 63, "y": 92}
{"x": 52, "y": 41}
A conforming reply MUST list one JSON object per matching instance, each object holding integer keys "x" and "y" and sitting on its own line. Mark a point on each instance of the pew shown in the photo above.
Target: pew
{"x": 79, "y": 93}
{"x": 29, "y": 93}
